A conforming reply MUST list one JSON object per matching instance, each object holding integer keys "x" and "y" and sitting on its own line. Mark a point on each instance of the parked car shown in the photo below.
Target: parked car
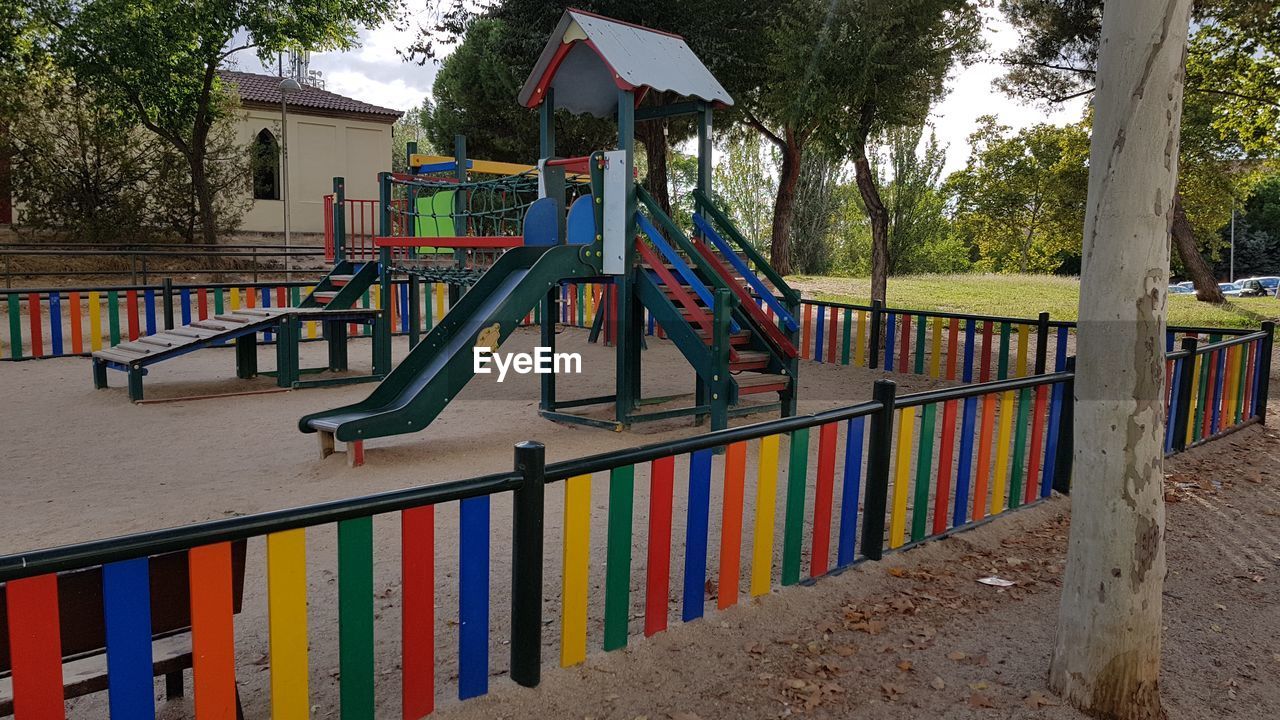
{"x": 1252, "y": 288}
{"x": 1188, "y": 285}
{"x": 1270, "y": 282}
{"x": 1179, "y": 290}
{"x": 1229, "y": 289}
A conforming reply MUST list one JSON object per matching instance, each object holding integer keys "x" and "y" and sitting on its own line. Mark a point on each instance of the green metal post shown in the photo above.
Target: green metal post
{"x": 459, "y": 208}
{"x": 339, "y": 219}
{"x": 628, "y": 345}
{"x": 166, "y": 290}
{"x": 247, "y": 356}
{"x": 382, "y": 322}
{"x": 415, "y": 310}
{"x": 704, "y": 148}
{"x": 720, "y": 359}
{"x": 526, "y": 565}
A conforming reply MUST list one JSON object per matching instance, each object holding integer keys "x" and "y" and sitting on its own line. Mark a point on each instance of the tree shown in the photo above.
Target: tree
{"x": 157, "y": 61}
{"x": 1106, "y": 659}
{"x": 920, "y": 235}
{"x": 1257, "y": 232}
{"x": 78, "y": 167}
{"x": 744, "y": 181}
{"x": 1020, "y": 200}
{"x": 476, "y": 95}
{"x": 413, "y": 126}
{"x": 817, "y": 205}
{"x": 841, "y": 72}
{"x": 1230, "y": 79}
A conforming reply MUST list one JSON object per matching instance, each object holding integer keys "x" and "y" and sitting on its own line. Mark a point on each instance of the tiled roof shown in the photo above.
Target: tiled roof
{"x": 255, "y": 88}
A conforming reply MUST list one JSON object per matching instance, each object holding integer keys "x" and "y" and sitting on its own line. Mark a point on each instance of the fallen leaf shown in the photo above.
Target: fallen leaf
{"x": 905, "y": 666}
{"x": 957, "y": 655}
{"x": 938, "y": 684}
{"x": 1037, "y": 700}
{"x": 978, "y": 700}
{"x": 796, "y": 684}
{"x": 845, "y": 650}
{"x": 897, "y": 572}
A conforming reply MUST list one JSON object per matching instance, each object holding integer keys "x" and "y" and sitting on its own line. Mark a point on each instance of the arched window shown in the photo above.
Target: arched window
{"x": 266, "y": 166}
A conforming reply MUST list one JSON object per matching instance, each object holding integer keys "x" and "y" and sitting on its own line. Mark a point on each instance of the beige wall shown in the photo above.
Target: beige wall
{"x": 319, "y": 149}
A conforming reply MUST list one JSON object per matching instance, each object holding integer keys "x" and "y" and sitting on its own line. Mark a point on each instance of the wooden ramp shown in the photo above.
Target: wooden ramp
{"x": 240, "y": 328}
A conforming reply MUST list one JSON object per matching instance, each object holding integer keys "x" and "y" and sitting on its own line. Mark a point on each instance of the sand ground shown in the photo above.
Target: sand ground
{"x": 83, "y": 464}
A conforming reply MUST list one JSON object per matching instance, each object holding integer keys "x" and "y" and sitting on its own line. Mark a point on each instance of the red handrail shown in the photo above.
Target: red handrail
{"x": 470, "y": 241}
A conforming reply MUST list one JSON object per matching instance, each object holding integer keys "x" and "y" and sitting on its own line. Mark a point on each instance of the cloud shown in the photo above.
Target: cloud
{"x": 972, "y": 93}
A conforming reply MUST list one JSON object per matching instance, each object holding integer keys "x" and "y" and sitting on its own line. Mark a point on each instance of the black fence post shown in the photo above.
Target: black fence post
{"x": 873, "y": 342}
{"x": 1182, "y": 411}
{"x": 526, "y": 565}
{"x": 1264, "y": 371}
{"x": 1042, "y": 343}
{"x": 880, "y": 448}
{"x": 166, "y": 288}
{"x": 1066, "y": 433}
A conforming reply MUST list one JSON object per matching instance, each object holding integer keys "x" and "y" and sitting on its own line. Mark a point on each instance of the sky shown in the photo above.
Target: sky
{"x": 374, "y": 73}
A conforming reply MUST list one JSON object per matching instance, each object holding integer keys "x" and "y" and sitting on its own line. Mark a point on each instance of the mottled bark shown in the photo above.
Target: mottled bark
{"x": 653, "y": 138}
{"x": 879, "y": 216}
{"x": 1198, "y": 270}
{"x": 784, "y": 206}
{"x": 1106, "y": 659}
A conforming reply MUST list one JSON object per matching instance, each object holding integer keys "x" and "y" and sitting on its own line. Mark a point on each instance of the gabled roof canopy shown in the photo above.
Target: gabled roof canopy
{"x": 589, "y": 57}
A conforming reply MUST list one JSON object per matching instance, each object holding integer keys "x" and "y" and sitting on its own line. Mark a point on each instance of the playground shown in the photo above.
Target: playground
{"x": 317, "y": 506}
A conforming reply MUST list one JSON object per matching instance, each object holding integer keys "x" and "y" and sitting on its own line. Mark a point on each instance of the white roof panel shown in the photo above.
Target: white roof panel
{"x": 584, "y": 80}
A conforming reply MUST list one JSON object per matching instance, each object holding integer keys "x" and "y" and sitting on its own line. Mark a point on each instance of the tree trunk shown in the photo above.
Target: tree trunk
{"x": 1198, "y": 270}
{"x": 656, "y": 181}
{"x": 1106, "y": 659}
{"x": 204, "y": 201}
{"x": 784, "y": 206}
{"x": 879, "y": 226}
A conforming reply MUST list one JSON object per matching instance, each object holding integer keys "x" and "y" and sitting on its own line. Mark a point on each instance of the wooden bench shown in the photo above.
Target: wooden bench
{"x": 83, "y": 627}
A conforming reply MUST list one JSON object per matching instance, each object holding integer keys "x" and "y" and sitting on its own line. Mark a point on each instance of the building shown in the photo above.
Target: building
{"x": 328, "y": 135}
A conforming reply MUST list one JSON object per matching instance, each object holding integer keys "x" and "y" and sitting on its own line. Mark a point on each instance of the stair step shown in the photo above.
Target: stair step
{"x": 325, "y": 294}
{"x": 340, "y": 280}
{"x": 742, "y": 337}
{"x": 750, "y": 360}
{"x": 751, "y": 383}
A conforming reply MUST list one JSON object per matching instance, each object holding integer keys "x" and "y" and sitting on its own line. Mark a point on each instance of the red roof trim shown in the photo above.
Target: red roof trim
{"x": 624, "y": 22}
{"x": 540, "y": 90}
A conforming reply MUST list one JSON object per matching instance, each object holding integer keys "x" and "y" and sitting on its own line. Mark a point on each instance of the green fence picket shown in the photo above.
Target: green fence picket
{"x": 793, "y": 528}
{"x": 355, "y": 617}
{"x": 924, "y": 470}
{"x": 846, "y": 338}
{"x": 1017, "y": 472}
{"x": 617, "y": 588}
{"x": 1003, "y": 368}
{"x": 921, "y": 326}
{"x": 113, "y": 317}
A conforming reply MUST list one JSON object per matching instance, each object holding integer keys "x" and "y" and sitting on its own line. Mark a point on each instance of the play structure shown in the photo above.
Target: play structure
{"x": 731, "y": 316}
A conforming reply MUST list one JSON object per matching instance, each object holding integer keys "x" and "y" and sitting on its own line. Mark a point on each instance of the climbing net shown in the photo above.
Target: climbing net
{"x": 442, "y": 206}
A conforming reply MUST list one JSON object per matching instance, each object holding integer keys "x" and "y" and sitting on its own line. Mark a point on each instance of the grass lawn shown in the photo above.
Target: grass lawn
{"x": 1021, "y": 296}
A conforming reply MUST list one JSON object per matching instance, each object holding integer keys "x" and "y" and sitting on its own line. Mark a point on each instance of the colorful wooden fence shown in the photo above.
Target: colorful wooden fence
{"x": 60, "y": 322}
{"x": 787, "y": 500}
{"x": 1215, "y": 388}
{"x": 940, "y": 345}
